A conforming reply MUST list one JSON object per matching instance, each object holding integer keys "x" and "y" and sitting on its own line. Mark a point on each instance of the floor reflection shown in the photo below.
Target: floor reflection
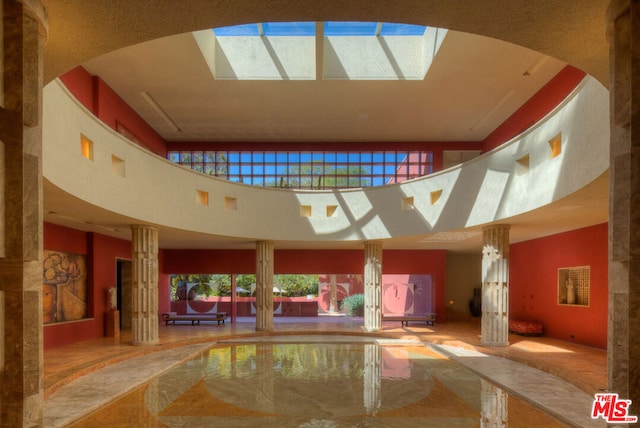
{"x": 319, "y": 384}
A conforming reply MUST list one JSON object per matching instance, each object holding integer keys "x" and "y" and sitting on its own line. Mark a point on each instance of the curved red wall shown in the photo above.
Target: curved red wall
{"x": 536, "y": 108}
{"x": 105, "y": 104}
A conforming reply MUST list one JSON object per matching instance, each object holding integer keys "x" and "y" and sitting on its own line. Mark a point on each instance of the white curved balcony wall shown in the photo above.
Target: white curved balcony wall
{"x": 490, "y": 188}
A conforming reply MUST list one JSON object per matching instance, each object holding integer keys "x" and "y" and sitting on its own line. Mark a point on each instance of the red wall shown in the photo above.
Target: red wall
{"x": 101, "y": 252}
{"x": 533, "y": 276}
{"x": 429, "y": 262}
{"x": 81, "y": 84}
{"x": 106, "y": 105}
{"x": 536, "y": 108}
{"x": 99, "y": 98}
{"x": 164, "y": 294}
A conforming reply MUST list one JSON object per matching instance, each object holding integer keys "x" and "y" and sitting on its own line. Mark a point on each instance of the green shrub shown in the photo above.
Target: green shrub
{"x": 354, "y": 305}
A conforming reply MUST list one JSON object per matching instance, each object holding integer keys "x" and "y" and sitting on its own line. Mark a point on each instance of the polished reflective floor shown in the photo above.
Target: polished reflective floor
{"x": 112, "y": 378}
{"x": 319, "y": 383}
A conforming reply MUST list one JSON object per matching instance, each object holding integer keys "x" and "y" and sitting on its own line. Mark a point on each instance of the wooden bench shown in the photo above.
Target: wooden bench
{"x": 172, "y": 317}
{"x": 430, "y": 319}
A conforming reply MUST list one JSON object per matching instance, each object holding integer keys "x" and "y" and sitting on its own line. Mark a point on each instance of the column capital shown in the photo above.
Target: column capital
{"x": 35, "y": 9}
{"x": 615, "y": 10}
{"x": 143, "y": 227}
{"x": 503, "y": 226}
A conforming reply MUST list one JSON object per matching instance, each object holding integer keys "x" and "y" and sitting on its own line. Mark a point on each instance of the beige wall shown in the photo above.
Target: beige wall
{"x": 125, "y": 179}
{"x": 464, "y": 273}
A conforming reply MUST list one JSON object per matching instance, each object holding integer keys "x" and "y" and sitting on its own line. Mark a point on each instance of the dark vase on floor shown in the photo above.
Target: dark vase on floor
{"x": 475, "y": 304}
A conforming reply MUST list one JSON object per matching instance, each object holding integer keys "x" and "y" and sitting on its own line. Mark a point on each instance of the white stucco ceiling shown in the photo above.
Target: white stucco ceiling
{"x": 474, "y": 84}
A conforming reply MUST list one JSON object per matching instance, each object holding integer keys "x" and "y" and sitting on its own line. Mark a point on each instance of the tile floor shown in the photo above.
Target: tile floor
{"x": 567, "y": 368}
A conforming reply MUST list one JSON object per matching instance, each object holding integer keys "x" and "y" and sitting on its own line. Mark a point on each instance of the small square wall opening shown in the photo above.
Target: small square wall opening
{"x": 331, "y": 210}
{"x": 435, "y": 196}
{"x": 555, "y": 144}
{"x": 202, "y": 197}
{"x": 407, "y": 203}
{"x": 522, "y": 165}
{"x": 230, "y": 203}
{"x": 305, "y": 210}
{"x": 86, "y": 147}
{"x": 117, "y": 166}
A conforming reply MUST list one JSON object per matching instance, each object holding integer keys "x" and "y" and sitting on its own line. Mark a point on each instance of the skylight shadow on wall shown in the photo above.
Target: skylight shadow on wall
{"x": 349, "y": 51}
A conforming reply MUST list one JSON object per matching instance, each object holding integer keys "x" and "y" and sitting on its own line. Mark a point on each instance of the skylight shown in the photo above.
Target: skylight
{"x": 331, "y": 28}
{"x": 347, "y": 51}
{"x": 350, "y": 28}
{"x": 268, "y": 29}
{"x": 340, "y": 28}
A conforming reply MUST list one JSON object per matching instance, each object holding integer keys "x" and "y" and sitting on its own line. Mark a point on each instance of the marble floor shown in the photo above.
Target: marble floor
{"x": 89, "y": 384}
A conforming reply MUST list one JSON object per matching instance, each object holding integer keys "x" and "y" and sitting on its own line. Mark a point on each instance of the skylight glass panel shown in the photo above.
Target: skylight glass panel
{"x": 341, "y": 28}
{"x": 389, "y": 29}
{"x": 237, "y": 30}
{"x": 289, "y": 28}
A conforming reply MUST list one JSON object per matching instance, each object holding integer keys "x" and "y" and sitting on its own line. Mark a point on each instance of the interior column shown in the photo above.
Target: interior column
{"x": 372, "y": 285}
{"x": 495, "y": 406}
{"x": 624, "y": 206}
{"x": 144, "y": 252}
{"x": 264, "y": 286}
{"x": 495, "y": 285}
{"x": 22, "y": 34}
{"x": 333, "y": 294}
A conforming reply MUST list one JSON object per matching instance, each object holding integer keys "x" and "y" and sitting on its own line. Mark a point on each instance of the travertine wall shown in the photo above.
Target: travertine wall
{"x": 624, "y": 206}
{"x": 23, "y": 31}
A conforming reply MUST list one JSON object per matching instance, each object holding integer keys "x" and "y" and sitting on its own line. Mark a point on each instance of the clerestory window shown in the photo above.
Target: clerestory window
{"x": 308, "y": 169}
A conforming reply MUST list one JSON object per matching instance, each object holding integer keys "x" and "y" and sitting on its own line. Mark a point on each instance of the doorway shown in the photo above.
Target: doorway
{"x": 124, "y": 292}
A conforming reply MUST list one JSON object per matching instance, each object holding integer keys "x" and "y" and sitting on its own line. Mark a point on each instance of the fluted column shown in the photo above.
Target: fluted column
{"x": 372, "y": 378}
{"x": 372, "y": 286}
{"x": 495, "y": 406}
{"x": 264, "y": 286}
{"x": 333, "y": 294}
{"x": 144, "y": 251}
{"x": 624, "y": 207}
{"x": 22, "y": 33}
{"x": 495, "y": 285}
